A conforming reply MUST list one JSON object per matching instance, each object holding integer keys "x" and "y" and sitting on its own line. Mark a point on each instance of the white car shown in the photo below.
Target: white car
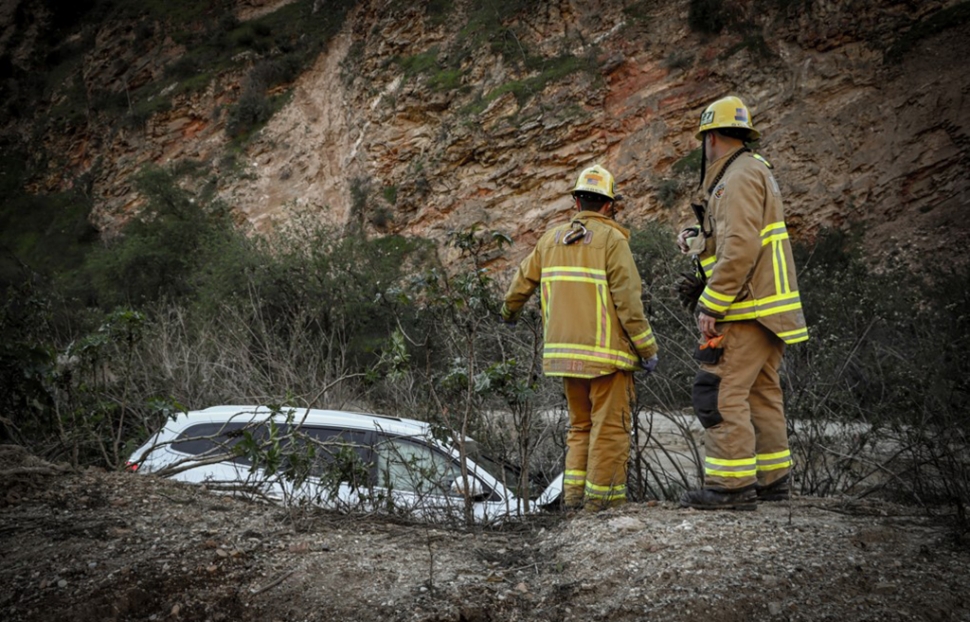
{"x": 337, "y": 459}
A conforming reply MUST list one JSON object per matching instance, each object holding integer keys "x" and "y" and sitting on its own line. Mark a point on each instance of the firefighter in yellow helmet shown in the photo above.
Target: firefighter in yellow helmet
{"x": 596, "y": 335}
{"x": 748, "y": 308}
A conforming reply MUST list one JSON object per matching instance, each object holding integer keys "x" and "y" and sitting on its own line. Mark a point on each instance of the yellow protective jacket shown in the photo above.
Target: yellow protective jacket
{"x": 592, "y": 314}
{"x": 747, "y": 256}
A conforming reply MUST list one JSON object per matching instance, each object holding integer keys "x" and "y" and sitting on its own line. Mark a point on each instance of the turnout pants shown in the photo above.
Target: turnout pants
{"x": 598, "y": 440}
{"x": 739, "y": 402}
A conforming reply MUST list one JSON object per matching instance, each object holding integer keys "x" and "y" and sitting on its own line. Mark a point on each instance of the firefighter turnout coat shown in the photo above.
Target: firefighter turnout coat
{"x": 747, "y": 256}
{"x": 593, "y": 318}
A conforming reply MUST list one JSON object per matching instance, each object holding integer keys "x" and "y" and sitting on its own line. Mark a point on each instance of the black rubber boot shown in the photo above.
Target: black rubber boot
{"x": 778, "y": 490}
{"x": 710, "y": 499}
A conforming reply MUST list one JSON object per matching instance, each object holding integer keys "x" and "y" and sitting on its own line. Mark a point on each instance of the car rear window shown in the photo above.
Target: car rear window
{"x": 210, "y": 439}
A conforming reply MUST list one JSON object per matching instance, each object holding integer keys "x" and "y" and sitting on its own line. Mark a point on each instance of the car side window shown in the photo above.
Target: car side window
{"x": 332, "y": 452}
{"x": 210, "y": 439}
{"x": 405, "y": 465}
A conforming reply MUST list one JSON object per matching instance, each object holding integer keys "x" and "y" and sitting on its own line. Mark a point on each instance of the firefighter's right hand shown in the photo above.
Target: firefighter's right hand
{"x": 648, "y": 365}
{"x": 686, "y": 234}
{"x": 505, "y": 316}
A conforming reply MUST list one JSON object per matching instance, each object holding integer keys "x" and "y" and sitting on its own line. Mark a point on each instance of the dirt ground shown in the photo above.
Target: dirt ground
{"x": 95, "y": 546}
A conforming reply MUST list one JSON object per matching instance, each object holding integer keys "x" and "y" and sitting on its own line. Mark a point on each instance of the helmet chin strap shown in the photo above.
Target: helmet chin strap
{"x": 700, "y": 183}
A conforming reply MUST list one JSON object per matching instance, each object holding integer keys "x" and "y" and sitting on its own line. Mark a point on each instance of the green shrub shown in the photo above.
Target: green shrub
{"x": 667, "y": 192}
{"x": 160, "y": 248}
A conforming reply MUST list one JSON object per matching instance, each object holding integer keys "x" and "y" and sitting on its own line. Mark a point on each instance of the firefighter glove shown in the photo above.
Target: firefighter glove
{"x": 688, "y": 232}
{"x": 648, "y": 365}
{"x": 689, "y": 289}
{"x": 506, "y": 316}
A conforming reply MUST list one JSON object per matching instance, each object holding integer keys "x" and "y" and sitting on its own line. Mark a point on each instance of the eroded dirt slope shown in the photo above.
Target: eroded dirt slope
{"x": 108, "y": 546}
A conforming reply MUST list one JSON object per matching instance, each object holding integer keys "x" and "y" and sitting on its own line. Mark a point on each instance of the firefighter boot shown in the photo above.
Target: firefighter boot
{"x": 778, "y": 490}
{"x": 714, "y": 499}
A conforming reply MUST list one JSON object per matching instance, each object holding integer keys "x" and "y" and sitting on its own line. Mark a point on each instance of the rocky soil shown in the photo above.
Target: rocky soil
{"x": 91, "y": 545}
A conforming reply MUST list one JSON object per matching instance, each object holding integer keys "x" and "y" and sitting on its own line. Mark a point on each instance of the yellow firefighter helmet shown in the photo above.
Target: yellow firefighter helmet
{"x": 596, "y": 180}
{"x": 727, "y": 112}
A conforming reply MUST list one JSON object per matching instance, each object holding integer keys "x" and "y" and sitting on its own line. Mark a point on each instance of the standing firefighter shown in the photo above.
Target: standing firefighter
{"x": 748, "y": 308}
{"x": 596, "y": 336}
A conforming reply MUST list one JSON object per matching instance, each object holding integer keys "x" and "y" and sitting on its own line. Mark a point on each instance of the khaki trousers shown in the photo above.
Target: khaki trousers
{"x": 598, "y": 440}
{"x": 739, "y": 402}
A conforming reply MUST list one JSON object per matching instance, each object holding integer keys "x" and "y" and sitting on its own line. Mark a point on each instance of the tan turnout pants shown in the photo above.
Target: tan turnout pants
{"x": 598, "y": 440}
{"x": 739, "y": 402}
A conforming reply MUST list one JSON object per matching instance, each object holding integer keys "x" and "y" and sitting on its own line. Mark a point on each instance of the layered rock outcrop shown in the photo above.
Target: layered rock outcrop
{"x": 861, "y": 105}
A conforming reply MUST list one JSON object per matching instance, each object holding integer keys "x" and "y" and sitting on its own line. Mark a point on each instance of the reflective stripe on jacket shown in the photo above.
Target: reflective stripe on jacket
{"x": 748, "y": 258}
{"x": 593, "y": 319}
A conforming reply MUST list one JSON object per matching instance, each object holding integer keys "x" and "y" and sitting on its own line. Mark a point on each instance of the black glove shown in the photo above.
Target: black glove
{"x": 689, "y": 289}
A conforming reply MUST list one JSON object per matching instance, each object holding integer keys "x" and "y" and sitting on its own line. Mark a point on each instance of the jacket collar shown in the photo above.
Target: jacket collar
{"x": 584, "y": 216}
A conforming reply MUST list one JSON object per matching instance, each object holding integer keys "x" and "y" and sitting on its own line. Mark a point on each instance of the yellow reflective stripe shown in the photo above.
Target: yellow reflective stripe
{"x": 775, "y": 461}
{"x": 776, "y": 267}
{"x": 774, "y": 228}
{"x": 587, "y": 353}
{"x": 574, "y": 478}
{"x": 785, "y": 453}
{"x": 645, "y": 338}
{"x": 745, "y": 467}
{"x": 730, "y": 473}
{"x": 571, "y": 374}
{"x": 545, "y": 305}
{"x": 794, "y": 336}
{"x": 717, "y": 295}
{"x": 571, "y": 273}
{"x": 604, "y": 327}
{"x": 730, "y": 463}
{"x": 730, "y": 468}
{"x": 707, "y": 265}
{"x": 762, "y": 307}
{"x": 616, "y": 491}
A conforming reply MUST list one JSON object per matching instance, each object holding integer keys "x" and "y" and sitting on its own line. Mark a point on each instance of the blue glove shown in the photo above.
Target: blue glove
{"x": 648, "y": 365}
{"x": 510, "y": 323}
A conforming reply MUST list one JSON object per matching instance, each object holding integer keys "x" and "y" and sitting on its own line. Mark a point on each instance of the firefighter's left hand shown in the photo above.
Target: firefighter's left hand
{"x": 686, "y": 234}
{"x": 648, "y": 365}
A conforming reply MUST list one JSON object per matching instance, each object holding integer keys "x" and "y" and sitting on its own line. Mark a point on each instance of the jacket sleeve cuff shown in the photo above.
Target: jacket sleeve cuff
{"x": 714, "y": 303}
{"x": 508, "y": 314}
{"x": 708, "y": 312}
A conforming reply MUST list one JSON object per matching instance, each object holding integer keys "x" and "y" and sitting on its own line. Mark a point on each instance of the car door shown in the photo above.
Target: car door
{"x": 415, "y": 477}
{"x": 330, "y": 466}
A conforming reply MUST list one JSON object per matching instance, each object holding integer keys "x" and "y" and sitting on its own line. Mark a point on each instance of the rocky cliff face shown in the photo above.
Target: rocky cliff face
{"x": 426, "y": 117}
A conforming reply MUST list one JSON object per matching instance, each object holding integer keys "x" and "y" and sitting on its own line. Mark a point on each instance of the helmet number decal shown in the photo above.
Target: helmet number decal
{"x": 707, "y": 117}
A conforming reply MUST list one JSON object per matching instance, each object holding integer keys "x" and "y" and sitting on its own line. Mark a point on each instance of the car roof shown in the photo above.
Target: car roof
{"x": 305, "y": 416}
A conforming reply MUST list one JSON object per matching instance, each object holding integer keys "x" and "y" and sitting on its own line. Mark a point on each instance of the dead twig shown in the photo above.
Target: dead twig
{"x": 273, "y": 583}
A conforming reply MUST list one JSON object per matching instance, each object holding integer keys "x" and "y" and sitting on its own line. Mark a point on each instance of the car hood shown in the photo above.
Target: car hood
{"x": 551, "y": 494}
